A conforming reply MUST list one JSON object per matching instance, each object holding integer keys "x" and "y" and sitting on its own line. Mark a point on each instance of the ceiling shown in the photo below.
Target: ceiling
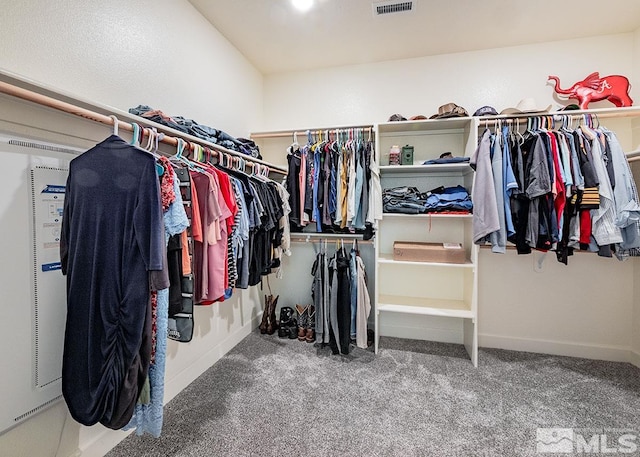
{"x": 276, "y": 38}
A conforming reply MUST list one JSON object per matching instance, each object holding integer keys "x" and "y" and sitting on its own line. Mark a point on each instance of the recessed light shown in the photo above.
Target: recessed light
{"x": 302, "y": 5}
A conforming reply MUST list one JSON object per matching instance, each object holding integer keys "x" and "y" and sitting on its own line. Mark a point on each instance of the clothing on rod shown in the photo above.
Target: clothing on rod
{"x": 334, "y": 184}
{"x": 341, "y": 299}
{"x": 557, "y": 189}
{"x": 177, "y": 233}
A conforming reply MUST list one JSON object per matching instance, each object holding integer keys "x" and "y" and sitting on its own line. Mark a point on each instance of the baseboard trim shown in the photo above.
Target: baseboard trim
{"x": 587, "y": 351}
{"x": 634, "y": 358}
{"x": 108, "y": 439}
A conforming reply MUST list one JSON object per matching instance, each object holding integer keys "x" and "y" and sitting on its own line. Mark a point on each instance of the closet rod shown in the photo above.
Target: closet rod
{"x": 59, "y": 105}
{"x": 303, "y": 236}
{"x": 599, "y": 112}
{"x": 511, "y": 247}
{"x": 290, "y": 133}
{"x": 314, "y": 240}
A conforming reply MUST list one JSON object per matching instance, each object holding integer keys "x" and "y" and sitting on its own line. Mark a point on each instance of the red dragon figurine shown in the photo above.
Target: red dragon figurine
{"x": 593, "y": 88}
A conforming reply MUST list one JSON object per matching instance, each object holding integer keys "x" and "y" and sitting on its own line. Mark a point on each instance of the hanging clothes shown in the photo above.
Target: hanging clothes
{"x": 340, "y": 303}
{"x": 180, "y": 260}
{"x": 625, "y": 196}
{"x": 363, "y": 306}
{"x": 112, "y": 260}
{"x": 483, "y": 194}
{"x": 567, "y": 189}
{"x": 148, "y": 418}
{"x": 335, "y": 180}
{"x": 320, "y": 296}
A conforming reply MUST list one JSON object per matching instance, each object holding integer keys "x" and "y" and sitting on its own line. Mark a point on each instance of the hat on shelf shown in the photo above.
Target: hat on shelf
{"x": 397, "y": 117}
{"x": 450, "y": 110}
{"x": 485, "y": 111}
{"x": 418, "y": 117}
{"x": 570, "y": 107}
{"x": 526, "y": 105}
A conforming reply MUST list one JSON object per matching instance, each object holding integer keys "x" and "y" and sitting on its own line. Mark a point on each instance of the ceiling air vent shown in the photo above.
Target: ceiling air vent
{"x": 388, "y": 7}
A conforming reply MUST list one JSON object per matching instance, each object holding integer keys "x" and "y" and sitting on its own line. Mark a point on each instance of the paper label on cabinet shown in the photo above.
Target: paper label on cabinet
{"x": 452, "y": 245}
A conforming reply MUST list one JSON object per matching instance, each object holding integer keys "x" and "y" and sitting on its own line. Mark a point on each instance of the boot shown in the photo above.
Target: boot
{"x": 310, "y": 335}
{"x": 272, "y": 325}
{"x": 265, "y": 316}
{"x": 303, "y": 321}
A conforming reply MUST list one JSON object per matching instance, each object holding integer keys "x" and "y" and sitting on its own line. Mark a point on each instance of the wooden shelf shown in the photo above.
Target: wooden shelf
{"x": 426, "y": 216}
{"x": 388, "y": 259}
{"x": 459, "y": 168}
{"x": 428, "y": 125}
{"x": 424, "y": 306}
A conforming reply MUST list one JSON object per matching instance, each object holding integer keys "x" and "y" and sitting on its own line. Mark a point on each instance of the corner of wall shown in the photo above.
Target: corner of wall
{"x": 635, "y": 330}
{"x": 635, "y": 76}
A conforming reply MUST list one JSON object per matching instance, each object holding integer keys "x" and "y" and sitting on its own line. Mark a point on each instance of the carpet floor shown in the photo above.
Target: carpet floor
{"x": 279, "y": 397}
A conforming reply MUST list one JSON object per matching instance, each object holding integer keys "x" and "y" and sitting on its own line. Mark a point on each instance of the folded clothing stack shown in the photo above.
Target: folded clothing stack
{"x": 409, "y": 200}
{"x": 204, "y": 132}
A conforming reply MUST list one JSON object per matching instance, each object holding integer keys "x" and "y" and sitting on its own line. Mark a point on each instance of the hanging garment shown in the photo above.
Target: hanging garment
{"x": 509, "y": 183}
{"x": 112, "y": 239}
{"x": 363, "y": 307}
{"x": 240, "y": 224}
{"x": 148, "y": 418}
{"x": 537, "y": 185}
{"x": 320, "y": 297}
{"x": 353, "y": 276}
{"x": 625, "y": 194}
{"x": 340, "y": 189}
{"x": 519, "y": 202}
{"x": 359, "y": 216}
{"x": 283, "y": 246}
{"x": 298, "y": 190}
{"x": 295, "y": 187}
{"x": 180, "y": 321}
{"x": 340, "y": 304}
{"x": 351, "y": 183}
{"x": 603, "y": 226}
{"x": 375, "y": 194}
{"x": 498, "y": 238}
{"x": 485, "y": 214}
{"x": 209, "y": 211}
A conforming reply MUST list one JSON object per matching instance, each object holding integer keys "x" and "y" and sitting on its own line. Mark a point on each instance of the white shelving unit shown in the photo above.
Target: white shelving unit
{"x": 414, "y": 291}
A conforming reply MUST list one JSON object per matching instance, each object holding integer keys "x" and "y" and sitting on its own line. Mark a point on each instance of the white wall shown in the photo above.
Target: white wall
{"x": 159, "y": 53}
{"x": 554, "y": 310}
{"x": 636, "y": 171}
{"x": 120, "y": 53}
{"x": 498, "y": 77}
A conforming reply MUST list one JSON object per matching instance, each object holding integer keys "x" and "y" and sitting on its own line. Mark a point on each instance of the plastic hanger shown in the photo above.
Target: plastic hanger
{"x": 115, "y": 124}
{"x": 135, "y": 134}
{"x": 152, "y": 147}
{"x": 519, "y": 136}
{"x": 295, "y": 147}
{"x": 180, "y": 157}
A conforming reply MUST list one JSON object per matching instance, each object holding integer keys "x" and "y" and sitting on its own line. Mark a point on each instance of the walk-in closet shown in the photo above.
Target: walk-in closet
{"x": 320, "y": 227}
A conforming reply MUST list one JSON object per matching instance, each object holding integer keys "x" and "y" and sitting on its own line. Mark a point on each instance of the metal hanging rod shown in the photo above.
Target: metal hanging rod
{"x": 290, "y": 133}
{"x": 599, "y": 112}
{"x": 171, "y": 138}
{"x": 312, "y": 236}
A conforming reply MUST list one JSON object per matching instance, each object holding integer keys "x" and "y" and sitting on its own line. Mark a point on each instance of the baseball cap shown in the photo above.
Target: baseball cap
{"x": 485, "y": 111}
